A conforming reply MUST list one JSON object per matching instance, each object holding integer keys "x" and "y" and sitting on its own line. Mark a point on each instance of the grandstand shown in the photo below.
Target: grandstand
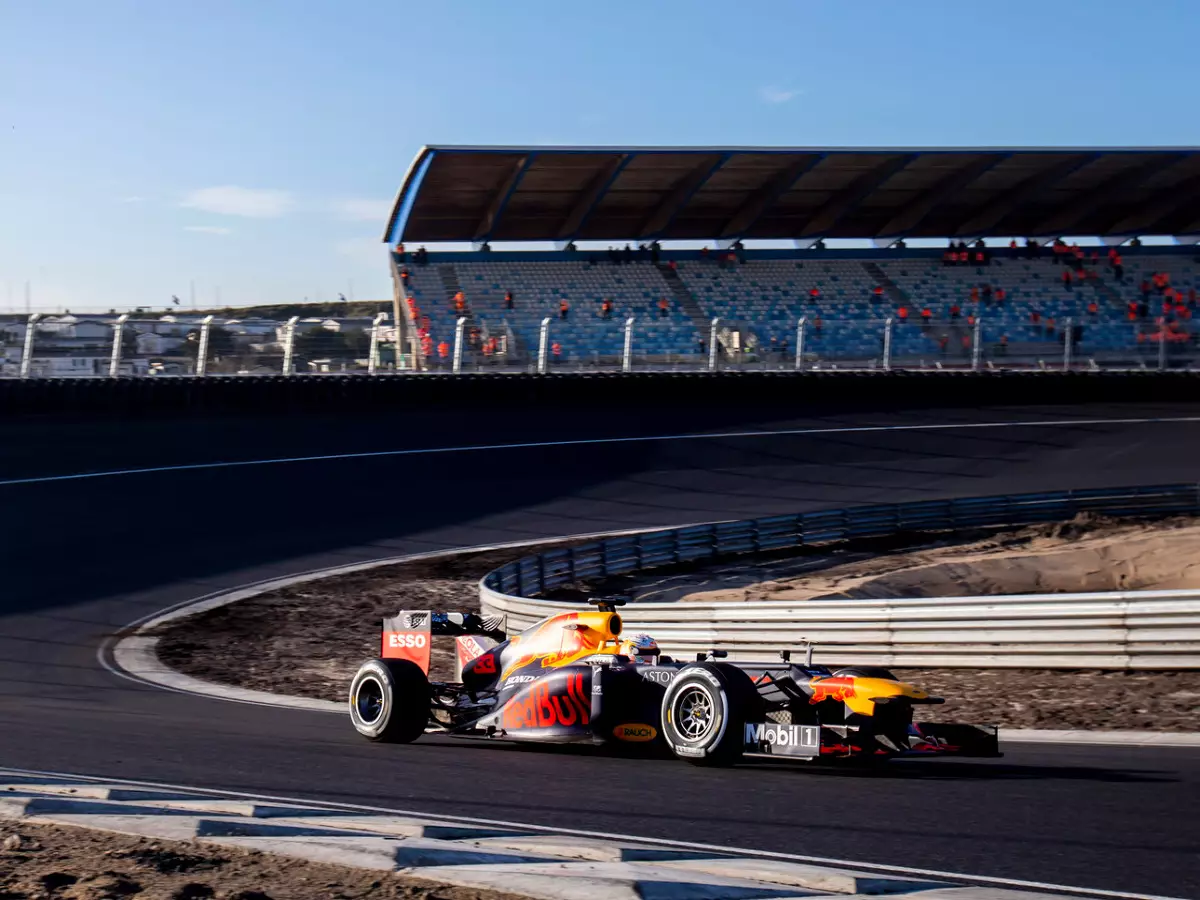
{"x": 763, "y": 299}
{"x": 1019, "y": 301}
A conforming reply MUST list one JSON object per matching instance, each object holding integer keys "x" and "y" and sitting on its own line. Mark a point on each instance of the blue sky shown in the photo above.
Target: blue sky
{"x": 254, "y": 147}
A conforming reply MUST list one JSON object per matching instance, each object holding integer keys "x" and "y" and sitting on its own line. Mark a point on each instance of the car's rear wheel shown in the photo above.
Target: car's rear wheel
{"x": 704, "y": 712}
{"x": 389, "y": 701}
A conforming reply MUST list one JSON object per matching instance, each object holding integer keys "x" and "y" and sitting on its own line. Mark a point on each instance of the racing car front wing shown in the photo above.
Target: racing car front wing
{"x": 923, "y": 739}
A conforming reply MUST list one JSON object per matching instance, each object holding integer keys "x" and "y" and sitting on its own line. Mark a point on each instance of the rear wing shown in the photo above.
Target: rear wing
{"x": 407, "y": 635}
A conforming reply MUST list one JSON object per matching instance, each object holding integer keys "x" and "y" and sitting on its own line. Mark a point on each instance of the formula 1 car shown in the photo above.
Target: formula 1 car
{"x": 571, "y": 678}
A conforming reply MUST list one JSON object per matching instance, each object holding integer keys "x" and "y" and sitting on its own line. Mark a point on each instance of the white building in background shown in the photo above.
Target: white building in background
{"x": 174, "y": 325}
{"x": 56, "y": 324}
{"x": 151, "y": 344}
{"x": 71, "y": 330}
{"x": 254, "y": 326}
{"x": 349, "y": 324}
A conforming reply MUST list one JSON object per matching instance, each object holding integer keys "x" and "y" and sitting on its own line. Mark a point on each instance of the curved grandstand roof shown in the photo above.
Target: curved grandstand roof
{"x": 702, "y": 193}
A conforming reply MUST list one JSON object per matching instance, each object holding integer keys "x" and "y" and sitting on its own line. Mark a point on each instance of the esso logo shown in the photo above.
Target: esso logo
{"x": 412, "y": 639}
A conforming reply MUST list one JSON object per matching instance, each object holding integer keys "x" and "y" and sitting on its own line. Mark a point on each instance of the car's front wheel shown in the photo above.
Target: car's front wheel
{"x": 704, "y": 712}
{"x": 389, "y": 701}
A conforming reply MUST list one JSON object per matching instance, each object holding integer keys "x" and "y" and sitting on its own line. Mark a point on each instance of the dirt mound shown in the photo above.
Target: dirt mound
{"x": 1088, "y": 553}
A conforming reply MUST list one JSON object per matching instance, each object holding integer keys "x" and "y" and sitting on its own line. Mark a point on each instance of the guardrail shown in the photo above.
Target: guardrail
{"x": 1111, "y": 630}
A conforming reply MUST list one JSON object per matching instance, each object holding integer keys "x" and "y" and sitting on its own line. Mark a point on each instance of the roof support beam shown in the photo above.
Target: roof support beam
{"x": 407, "y": 196}
{"x": 1077, "y": 209}
{"x": 984, "y": 222}
{"x": 847, "y": 200}
{"x": 911, "y": 216}
{"x": 658, "y": 221}
{"x": 1161, "y": 208}
{"x": 487, "y": 224}
{"x": 758, "y": 203}
{"x": 596, "y": 189}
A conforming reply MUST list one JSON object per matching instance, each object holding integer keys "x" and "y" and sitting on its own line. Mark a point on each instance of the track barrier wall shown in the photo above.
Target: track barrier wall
{"x": 1108, "y": 630}
{"x": 785, "y": 392}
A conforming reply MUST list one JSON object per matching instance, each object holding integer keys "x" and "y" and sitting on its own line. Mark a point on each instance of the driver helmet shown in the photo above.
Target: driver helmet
{"x": 641, "y": 648}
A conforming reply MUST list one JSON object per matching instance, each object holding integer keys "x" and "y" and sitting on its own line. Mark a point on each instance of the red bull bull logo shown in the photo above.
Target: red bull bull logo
{"x": 839, "y": 688}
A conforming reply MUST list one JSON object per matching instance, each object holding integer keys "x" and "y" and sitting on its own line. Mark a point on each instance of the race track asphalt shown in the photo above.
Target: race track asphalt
{"x": 83, "y": 558}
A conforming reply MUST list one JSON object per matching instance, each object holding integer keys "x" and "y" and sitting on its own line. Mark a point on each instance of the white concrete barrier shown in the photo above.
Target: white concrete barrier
{"x": 1109, "y": 630}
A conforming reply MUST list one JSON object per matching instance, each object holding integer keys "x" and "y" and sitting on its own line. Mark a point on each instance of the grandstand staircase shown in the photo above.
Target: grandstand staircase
{"x": 898, "y": 294}
{"x": 951, "y": 332}
{"x": 1109, "y": 293}
{"x": 448, "y": 275}
{"x": 687, "y": 302}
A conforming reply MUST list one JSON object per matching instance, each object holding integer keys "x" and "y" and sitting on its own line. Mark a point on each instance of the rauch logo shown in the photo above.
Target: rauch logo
{"x": 635, "y": 733}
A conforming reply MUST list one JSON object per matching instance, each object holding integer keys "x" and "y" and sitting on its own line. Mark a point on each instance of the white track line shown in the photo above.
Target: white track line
{"x": 110, "y": 648}
{"x": 574, "y": 832}
{"x": 531, "y": 445}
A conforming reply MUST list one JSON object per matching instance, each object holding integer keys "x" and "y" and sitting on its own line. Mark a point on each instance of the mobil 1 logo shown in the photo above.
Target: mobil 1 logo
{"x": 783, "y": 740}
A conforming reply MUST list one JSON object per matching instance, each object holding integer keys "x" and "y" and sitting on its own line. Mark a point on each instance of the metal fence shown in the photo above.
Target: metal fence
{"x": 1148, "y": 629}
{"x": 111, "y": 346}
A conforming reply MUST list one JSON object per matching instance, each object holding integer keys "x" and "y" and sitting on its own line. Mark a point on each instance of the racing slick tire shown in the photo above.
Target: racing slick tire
{"x": 704, "y": 713}
{"x": 389, "y": 701}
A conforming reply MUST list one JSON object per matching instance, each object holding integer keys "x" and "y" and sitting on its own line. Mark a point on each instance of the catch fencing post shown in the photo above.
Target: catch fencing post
{"x": 1067, "y": 344}
{"x": 887, "y": 344}
{"x": 977, "y": 344}
{"x": 114, "y": 364}
{"x": 27, "y": 350}
{"x": 543, "y": 345}
{"x": 800, "y": 341}
{"x": 459, "y": 328}
{"x": 1162, "y": 346}
{"x": 712, "y": 345}
{"x": 373, "y": 354}
{"x": 627, "y": 352}
{"x": 202, "y": 351}
{"x": 289, "y": 343}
